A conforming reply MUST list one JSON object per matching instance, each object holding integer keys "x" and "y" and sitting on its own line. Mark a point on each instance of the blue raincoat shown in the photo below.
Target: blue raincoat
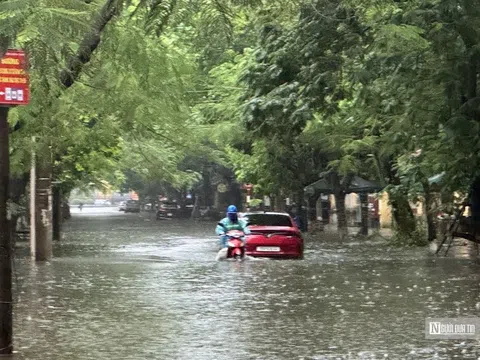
{"x": 228, "y": 225}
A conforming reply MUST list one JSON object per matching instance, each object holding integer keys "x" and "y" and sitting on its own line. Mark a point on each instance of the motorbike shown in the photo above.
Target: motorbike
{"x": 235, "y": 246}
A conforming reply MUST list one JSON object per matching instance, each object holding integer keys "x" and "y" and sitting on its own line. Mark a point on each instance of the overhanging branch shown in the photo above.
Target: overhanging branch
{"x": 155, "y": 132}
{"x": 89, "y": 44}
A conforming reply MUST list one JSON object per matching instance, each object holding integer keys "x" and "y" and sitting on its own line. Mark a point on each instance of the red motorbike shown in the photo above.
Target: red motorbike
{"x": 235, "y": 244}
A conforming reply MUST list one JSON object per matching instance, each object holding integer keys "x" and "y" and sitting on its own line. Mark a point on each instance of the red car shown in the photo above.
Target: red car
{"x": 273, "y": 234}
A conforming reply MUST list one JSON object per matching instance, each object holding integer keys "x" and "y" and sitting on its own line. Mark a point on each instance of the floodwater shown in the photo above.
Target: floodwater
{"x": 125, "y": 286}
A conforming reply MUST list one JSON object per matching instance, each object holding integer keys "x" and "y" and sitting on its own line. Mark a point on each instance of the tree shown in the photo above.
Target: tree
{"x": 60, "y": 45}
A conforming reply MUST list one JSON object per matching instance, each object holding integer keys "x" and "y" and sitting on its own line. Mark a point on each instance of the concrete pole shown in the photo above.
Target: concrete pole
{"x": 33, "y": 191}
{"x": 43, "y": 213}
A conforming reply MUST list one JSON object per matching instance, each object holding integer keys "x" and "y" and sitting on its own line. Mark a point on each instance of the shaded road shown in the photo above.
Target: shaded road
{"x": 123, "y": 286}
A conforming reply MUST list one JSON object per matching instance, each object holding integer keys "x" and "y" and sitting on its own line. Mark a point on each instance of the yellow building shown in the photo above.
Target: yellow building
{"x": 352, "y": 205}
{"x": 384, "y": 210}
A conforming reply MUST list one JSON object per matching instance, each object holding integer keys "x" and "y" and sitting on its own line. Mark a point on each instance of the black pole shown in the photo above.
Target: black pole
{"x": 6, "y": 346}
{"x": 364, "y": 214}
{"x": 57, "y": 213}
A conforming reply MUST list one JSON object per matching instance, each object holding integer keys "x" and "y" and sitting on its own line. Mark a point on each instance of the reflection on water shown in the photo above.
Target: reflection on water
{"x": 129, "y": 287}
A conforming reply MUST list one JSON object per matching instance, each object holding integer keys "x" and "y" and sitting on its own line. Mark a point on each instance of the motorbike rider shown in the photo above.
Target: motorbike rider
{"x": 230, "y": 222}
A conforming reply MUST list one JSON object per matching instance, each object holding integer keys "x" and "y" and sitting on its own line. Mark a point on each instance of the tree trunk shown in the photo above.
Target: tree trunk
{"x": 431, "y": 225}
{"x": 301, "y": 212}
{"x": 312, "y": 209}
{"x": 216, "y": 201}
{"x": 12, "y": 228}
{"x": 279, "y": 203}
{"x": 429, "y": 213}
{"x": 325, "y": 208}
{"x": 43, "y": 213}
{"x": 339, "y": 193}
{"x": 208, "y": 196}
{"x": 341, "y": 214}
{"x": 403, "y": 215}
{"x": 319, "y": 208}
{"x": 57, "y": 214}
{"x": 364, "y": 214}
{"x": 66, "y": 211}
{"x": 401, "y": 210}
{"x": 6, "y": 346}
{"x": 196, "y": 209}
{"x": 17, "y": 189}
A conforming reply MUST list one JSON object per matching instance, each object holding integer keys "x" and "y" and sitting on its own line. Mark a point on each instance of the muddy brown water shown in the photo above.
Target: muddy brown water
{"x": 124, "y": 286}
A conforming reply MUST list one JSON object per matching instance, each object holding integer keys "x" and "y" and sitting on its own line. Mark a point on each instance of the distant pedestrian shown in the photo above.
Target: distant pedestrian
{"x": 80, "y": 206}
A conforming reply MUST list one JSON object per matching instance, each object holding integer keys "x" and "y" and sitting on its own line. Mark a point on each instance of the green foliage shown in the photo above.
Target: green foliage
{"x": 364, "y": 85}
{"x": 217, "y": 115}
{"x": 282, "y": 92}
{"x": 129, "y": 97}
{"x": 414, "y": 239}
{"x": 255, "y": 202}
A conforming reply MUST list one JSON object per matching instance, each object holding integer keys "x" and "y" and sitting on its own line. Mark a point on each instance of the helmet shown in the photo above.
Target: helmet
{"x": 232, "y": 209}
{"x": 232, "y": 213}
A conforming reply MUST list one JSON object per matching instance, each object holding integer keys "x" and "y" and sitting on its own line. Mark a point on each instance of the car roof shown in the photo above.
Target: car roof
{"x": 265, "y": 213}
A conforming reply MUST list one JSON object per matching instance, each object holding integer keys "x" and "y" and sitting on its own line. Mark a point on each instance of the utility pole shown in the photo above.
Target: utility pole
{"x": 33, "y": 191}
{"x": 6, "y": 346}
{"x": 43, "y": 212}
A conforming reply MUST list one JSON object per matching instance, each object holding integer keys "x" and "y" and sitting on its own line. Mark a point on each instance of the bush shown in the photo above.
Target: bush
{"x": 416, "y": 238}
{"x": 255, "y": 202}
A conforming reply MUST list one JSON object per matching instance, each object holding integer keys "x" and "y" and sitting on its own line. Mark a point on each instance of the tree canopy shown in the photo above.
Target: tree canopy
{"x": 279, "y": 92}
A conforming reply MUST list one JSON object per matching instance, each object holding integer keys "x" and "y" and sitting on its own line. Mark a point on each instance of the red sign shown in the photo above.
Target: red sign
{"x": 14, "y": 89}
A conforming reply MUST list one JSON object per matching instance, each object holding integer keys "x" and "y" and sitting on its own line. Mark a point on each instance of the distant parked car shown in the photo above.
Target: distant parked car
{"x": 273, "y": 234}
{"x": 132, "y": 206}
{"x": 102, "y": 202}
{"x": 122, "y": 206}
{"x": 168, "y": 209}
{"x": 148, "y": 207}
{"x": 206, "y": 213}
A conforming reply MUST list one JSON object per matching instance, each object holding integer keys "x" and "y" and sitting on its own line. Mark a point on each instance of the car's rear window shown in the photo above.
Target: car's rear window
{"x": 268, "y": 220}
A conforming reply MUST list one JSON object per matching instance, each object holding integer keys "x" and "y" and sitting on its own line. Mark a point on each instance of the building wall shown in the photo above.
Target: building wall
{"x": 352, "y": 205}
{"x": 352, "y": 202}
{"x": 384, "y": 210}
{"x": 333, "y": 215}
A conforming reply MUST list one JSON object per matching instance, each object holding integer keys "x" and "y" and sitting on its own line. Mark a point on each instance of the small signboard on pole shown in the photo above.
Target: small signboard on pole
{"x": 14, "y": 81}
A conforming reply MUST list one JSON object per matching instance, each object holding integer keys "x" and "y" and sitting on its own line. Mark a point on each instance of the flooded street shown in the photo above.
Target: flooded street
{"x": 124, "y": 286}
